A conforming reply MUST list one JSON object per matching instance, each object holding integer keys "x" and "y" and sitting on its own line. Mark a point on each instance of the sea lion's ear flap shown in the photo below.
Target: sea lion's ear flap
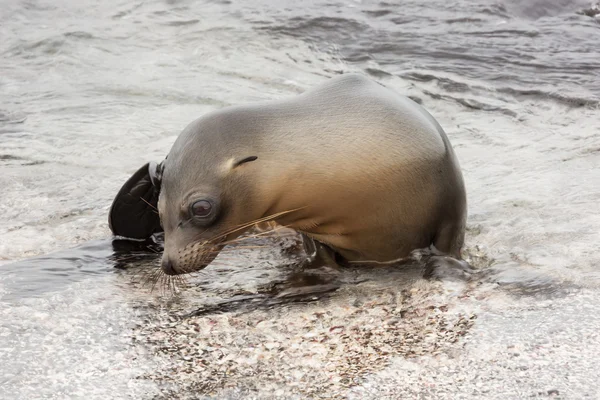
{"x": 134, "y": 212}
{"x": 244, "y": 160}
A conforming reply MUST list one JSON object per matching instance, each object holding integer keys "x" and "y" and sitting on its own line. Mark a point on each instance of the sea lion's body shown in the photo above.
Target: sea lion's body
{"x": 369, "y": 173}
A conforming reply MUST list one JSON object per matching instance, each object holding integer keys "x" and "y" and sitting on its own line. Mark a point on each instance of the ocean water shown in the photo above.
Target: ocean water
{"x": 89, "y": 91}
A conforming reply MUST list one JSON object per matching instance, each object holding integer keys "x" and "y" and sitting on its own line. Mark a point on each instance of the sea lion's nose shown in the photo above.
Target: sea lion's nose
{"x": 168, "y": 267}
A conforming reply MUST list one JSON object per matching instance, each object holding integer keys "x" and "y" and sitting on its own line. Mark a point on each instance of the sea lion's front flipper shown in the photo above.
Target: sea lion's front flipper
{"x": 318, "y": 254}
{"x": 134, "y": 213}
{"x": 439, "y": 265}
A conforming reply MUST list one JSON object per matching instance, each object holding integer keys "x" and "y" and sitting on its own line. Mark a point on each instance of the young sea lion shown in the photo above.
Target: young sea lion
{"x": 363, "y": 173}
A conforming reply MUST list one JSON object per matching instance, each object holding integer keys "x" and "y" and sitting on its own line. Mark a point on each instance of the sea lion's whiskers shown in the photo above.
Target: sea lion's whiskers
{"x": 256, "y": 221}
{"x": 172, "y": 287}
{"x": 137, "y": 272}
{"x": 125, "y": 258}
{"x": 148, "y": 276}
{"x": 187, "y": 270}
{"x": 153, "y": 278}
{"x": 144, "y": 277}
{"x": 169, "y": 285}
{"x": 179, "y": 281}
{"x": 145, "y": 201}
{"x": 246, "y": 247}
{"x": 256, "y": 235}
{"x": 253, "y": 236}
{"x": 162, "y": 282}
{"x": 130, "y": 259}
{"x": 159, "y": 275}
{"x": 147, "y": 279}
{"x": 160, "y": 286}
{"x": 222, "y": 255}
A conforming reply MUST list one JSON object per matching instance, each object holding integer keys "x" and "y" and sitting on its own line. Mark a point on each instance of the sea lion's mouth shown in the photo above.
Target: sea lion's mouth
{"x": 171, "y": 271}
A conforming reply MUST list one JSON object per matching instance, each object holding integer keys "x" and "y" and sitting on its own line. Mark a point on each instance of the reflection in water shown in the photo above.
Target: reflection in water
{"x": 53, "y": 272}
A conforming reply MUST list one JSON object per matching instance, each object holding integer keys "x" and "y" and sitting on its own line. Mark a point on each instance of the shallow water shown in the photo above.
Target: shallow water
{"x": 90, "y": 91}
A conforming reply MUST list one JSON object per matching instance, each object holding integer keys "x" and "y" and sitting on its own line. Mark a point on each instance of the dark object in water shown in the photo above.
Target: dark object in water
{"x": 134, "y": 213}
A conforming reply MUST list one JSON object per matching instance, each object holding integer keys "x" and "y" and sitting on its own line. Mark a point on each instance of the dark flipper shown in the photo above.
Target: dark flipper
{"x": 439, "y": 265}
{"x": 134, "y": 213}
{"x": 318, "y": 254}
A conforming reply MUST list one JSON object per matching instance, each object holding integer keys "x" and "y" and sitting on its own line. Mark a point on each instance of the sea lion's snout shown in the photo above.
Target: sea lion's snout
{"x": 194, "y": 257}
{"x": 182, "y": 265}
{"x": 167, "y": 266}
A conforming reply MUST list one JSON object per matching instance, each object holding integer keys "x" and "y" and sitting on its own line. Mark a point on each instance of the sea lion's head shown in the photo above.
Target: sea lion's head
{"x": 206, "y": 194}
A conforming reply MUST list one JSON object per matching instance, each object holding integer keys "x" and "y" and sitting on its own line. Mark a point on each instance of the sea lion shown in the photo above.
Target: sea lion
{"x": 363, "y": 173}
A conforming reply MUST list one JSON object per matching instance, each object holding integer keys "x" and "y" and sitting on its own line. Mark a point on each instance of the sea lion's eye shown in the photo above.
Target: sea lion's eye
{"x": 201, "y": 209}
